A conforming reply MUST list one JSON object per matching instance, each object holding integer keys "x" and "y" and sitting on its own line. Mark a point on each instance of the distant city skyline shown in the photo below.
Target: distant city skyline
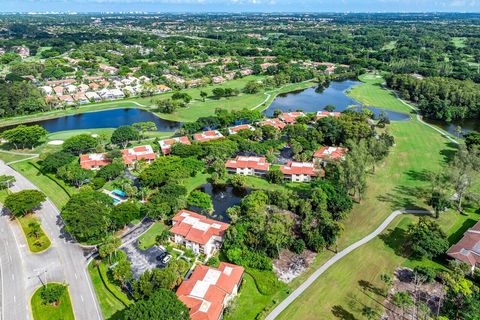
{"x": 240, "y": 5}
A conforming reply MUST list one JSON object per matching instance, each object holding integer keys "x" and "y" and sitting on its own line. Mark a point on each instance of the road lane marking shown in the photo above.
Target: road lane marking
{"x": 76, "y": 277}
{"x": 81, "y": 297}
{"x": 13, "y": 276}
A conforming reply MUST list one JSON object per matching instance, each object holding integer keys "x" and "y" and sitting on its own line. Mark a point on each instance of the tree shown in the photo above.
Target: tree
{"x": 35, "y": 228}
{"x": 108, "y": 247}
{"x": 87, "y": 216}
{"x": 472, "y": 139}
{"x": 74, "y": 174}
{"x": 200, "y": 200}
{"x": 55, "y": 160}
{"x": 426, "y": 239}
{"x": 218, "y": 92}
{"x": 387, "y": 279}
{"x": 23, "y": 202}
{"x": 162, "y": 305}
{"x": 146, "y": 126}
{"x": 163, "y": 236}
{"x": 122, "y": 272}
{"x": 79, "y": 144}
{"x": 203, "y": 95}
{"x": 439, "y": 202}
{"x": 111, "y": 171}
{"x": 353, "y": 170}
{"x": 51, "y": 294}
{"x": 275, "y": 176}
{"x": 402, "y": 300}
{"x": 369, "y": 313}
{"x": 238, "y": 182}
{"x": 24, "y": 136}
{"x": 252, "y": 87}
{"x": 378, "y": 150}
{"x": 6, "y": 181}
{"x": 170, "y": 168}
{"x": 124, "y": 213}
{"x": 124, "y": 135}
{"x": 329, "y": 108}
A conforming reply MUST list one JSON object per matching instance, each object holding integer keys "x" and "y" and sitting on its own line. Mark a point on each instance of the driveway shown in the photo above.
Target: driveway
{"x": 22, "y": 272}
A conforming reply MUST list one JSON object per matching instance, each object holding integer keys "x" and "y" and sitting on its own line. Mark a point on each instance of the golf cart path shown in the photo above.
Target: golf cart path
{"x": 307, "y": 283}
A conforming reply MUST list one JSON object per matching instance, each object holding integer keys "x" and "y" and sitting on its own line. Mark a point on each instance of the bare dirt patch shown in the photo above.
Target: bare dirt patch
{"x": 290, "y": 265}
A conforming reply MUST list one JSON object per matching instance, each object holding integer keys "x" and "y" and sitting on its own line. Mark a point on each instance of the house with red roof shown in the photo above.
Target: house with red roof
{"x": 132, "y": 155}
{"x": 209, "y": 290}
{"x": 326, "y": 114}
{"x": 197, "y": 232}
{"x": 166, "y": 145}
{"x": 301, "y": 171}
{"x": 207, "y": 136}
{"x": 291, "y": 117}
{"x": 248, "y": 166}
{"x": 275, "y": 122}
{"x": 326, "y": 154}
{"x": 237, "y": 129}
{"x": 467, "y": 250}
{"x": 93, "y": 161}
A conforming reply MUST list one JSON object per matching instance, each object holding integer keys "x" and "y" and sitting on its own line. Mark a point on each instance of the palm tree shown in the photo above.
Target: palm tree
{"x": 34, "y": 229}
{"x": 368, "y": 313}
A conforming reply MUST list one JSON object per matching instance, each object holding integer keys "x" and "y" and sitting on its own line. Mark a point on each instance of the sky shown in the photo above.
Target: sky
{"x": 240, "y": 5}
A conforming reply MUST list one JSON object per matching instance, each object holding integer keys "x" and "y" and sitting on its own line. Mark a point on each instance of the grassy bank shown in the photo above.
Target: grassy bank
{"x": 42, "y": 311}
{"x": 147, "y": 239}
{"x": 37, "y": 243}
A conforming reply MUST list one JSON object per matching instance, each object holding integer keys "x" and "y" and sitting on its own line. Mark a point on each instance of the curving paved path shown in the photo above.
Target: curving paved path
{"x": 295, "y": 294}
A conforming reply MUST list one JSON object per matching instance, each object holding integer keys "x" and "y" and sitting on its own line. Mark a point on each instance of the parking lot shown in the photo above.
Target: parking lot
{"x": 142, "y": 260}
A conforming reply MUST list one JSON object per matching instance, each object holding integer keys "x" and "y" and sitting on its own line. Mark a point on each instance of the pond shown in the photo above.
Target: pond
{"x": 105, "y": 119}
{"x": 315, "y": 99}
{"x": 223, "y": 198}
{"x": 467, "y": 125}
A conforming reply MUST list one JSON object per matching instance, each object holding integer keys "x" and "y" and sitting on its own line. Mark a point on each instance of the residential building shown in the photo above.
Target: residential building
{"x": 66, "y": 99}
{"x": 237, "y": 129}
{"x": 207, "y": 136}
{"x": 106, "y": 94}
{"x": 325, "y": 114}
{"x": 218, "y": 79}
{"x": 326, "y": 154}
{"x": 248, "y": 166}
{"x": 291, "y": 117}
{"x": 209, "y": 290}
{"x": 161, "y": 88}
{"x": 47, "y": 90}
{"x": 300, "y": 171}
{"x": 246, "y": 72}
{"x": 132, "y": 155}
{"x": 166, "y": 145}
{"x": 275, "y": 122}
{"x": 117, "y": 94}
{"x": 197, "y": 232}
{"x": 467, "y": 250}
{"x": 93, "y": 161}
{"x": 83, "y": 87}
{"x": 71, "y": 89}
{"x": 21, "y": 51}
{"x": 108, "y": 69}
{"x": 81, "y": 98}
{"x": 93, "y": 96}
{"x": 59, "y": 91}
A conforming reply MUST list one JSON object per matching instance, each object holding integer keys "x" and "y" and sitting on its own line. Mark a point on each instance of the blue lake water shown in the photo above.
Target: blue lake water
{"x": 314, "y": 99}
{"x": 106, "y": 119}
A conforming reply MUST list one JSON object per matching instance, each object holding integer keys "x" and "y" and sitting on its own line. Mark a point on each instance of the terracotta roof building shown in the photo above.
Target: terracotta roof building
{"x": 166, "y": 145}
{"x": 209, "y": 290}
{"x": 248, "y": 166}
{"x": 132, "y": 155}
{"x": 325, "y": 114}
{"x": 197, "y": 232}
{"x": 326, "y": 154}
{"x": 93, "y": 161}
{"x": 207, "y": 136}
{"x": 291, "y": 117}
{"x": 467, "y": 250}
{"x": 237, "y": 129}
{"x": 275, "y": 122}
{"x": 300, "y": 171}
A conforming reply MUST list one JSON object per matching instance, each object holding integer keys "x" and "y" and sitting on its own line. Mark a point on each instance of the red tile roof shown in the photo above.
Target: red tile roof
{"x": 166, "y": 145}
{"x": 331, "y": 153}
{"x": 92, "y": 160}
{"x": 324, "y": 114}
{"x": 196, "y": 227}
{"x": 257, "y": 163}
{"x": 138, "y": 153}
{"x": 236, "y": 129}
{"x": 205, "y": 291}
{"x": 291, "y": 117}
{"x": 305, "y": 168}
{"x": 207, "y": 136}
{"x": 468, "y": 248}
{"x": 275, "y": 122}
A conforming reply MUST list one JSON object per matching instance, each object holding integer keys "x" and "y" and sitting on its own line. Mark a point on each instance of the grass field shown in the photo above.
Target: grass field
{"x": 35, "y": 244}
{"x": 63, "y": 311}
{"x": 8, "y": 157}
{"x": 459, "y": 42}
{"x": 47, "y": 185}
{"x": 147, "y": 239}
{"x": 110, "y": 304}
{"x": 418, "y": 150}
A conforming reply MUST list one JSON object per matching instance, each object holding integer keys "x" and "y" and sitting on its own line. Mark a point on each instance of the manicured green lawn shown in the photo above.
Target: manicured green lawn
{"x": 61, "y": 311}
{"x": 196, "y": 182}
{"x": 148, "y": 238}
{"x": 8, "y": 157}
{"x": 109, "y": 303}
{"x": 53, "y": 191}
{"x": 64, "y": 135}
{"x": 394, "y": 185}
{"x": 35, "y": 244}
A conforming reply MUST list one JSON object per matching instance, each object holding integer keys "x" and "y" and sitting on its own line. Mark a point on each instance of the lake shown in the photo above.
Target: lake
{"x": 222, "y": 199}
{"x": 467, "y": 125}
{"x": 113, "y": 118}
{"x": 314, "y": 99}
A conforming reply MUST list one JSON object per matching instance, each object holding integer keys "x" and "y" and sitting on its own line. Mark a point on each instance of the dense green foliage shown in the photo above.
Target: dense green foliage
{"x": 23, "y": 202}
{"x": 25, "y": 136}
{"x": 19, "y": 98}
{"x": 162, "y": 305}
{"x": 79, "y": 144}
{"x": 426, "y": 239}
{"x": 169, "y": 169}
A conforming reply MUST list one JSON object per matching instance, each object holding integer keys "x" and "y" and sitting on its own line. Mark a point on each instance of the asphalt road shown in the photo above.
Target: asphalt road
{"x": 22, "y": 272}
{"x": 295, "y": 294}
